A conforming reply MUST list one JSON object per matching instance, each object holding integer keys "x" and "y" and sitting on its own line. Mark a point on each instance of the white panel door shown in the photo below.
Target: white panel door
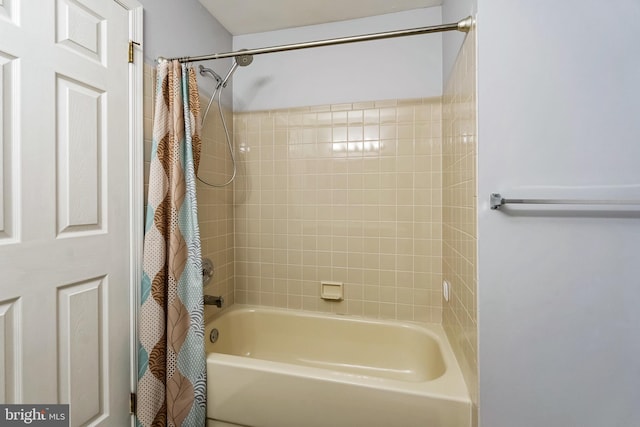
{"x": 64, "y": 207}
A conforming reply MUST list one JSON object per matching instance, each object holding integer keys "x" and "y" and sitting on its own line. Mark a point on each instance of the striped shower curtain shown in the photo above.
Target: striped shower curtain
{"x": 171, "y": 357}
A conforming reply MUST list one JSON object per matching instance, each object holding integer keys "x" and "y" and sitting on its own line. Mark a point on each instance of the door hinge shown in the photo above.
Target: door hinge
{"x": 131, "y": 43}
{"x": 133, "y": 401}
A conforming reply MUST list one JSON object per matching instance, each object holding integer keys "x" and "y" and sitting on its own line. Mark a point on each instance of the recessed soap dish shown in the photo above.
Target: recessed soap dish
{"x": 332, "y": 291}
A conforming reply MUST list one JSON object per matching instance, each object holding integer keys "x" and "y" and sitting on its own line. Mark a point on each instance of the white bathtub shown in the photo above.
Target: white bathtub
{"x": 282, "y": 368}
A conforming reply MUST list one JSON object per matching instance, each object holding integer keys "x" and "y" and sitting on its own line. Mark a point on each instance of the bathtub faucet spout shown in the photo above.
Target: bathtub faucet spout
{"x": 214, "y": 300}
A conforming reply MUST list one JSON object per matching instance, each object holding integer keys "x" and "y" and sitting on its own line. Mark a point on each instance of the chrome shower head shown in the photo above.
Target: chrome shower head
{"x": 244, "y": 60}
{"x": 204, "y": 71}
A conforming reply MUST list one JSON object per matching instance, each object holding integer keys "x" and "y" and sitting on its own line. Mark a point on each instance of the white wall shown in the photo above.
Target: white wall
{"x": 408, "y": 67}
{"x": 185, "y": 28}
{"x": 559, "y": 293}
{"x": 181, "y": 28}
{"x": 454, "y": 11}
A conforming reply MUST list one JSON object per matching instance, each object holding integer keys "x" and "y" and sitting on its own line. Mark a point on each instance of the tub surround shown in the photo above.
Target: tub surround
{"x": 348, "y": 193}
{"x": 459, "y": 239}
{"x": 215, "y": 205}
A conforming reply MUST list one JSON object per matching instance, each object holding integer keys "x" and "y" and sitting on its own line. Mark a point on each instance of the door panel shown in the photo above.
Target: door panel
{"x": 64, "y": 207}
{"x": 9, "y": 344}
{"x": 80, "y": 339}
{"x": 7, "y": 10}
{"x": 79, "y": 156}
{"x": 8, "y": 69}
{"x": 80, "y": 29}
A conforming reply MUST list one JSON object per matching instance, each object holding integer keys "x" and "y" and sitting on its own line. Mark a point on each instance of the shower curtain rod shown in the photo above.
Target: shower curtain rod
{"x": 463, "y": 25}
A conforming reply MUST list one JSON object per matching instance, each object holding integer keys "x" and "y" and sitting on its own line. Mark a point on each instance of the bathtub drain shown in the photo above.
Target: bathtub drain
{"x": 213, "y": 336}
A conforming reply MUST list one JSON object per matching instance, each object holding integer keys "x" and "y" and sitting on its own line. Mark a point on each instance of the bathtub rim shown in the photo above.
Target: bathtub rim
{"x": 450, "y": 385}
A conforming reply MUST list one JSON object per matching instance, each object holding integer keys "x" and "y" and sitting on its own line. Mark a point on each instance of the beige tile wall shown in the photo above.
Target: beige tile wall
{"x": 215, "y": 205}
{"x": 459, "y": 199}
{"x": 349, "y": 193}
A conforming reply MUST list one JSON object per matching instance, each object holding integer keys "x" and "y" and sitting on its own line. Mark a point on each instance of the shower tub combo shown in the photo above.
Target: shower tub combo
{"x": 282, "y": 368}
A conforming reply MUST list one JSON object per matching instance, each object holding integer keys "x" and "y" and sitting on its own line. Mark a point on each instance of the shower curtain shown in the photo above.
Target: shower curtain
{"x": 171, "y": 356}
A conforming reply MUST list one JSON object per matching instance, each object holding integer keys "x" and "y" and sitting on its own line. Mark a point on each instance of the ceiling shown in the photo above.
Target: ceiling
{"x": 255, "y": 16}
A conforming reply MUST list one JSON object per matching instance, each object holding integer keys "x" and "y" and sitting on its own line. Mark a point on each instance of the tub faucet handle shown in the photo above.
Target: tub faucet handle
{"x": 207, "y": 270}
{"x": 213, "y": 300}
